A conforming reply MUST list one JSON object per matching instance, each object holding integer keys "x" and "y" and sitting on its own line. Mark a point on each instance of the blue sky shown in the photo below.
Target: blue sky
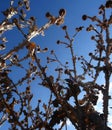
{"x": 74, "y": 11}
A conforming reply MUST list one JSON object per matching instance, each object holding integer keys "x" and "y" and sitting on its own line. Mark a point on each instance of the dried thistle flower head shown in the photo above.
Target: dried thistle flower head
{"x": 92, "y": 37}
{"x": 28, "y": 88}
{"x": 20, "y": 3}
{"x": 66, "y": 62}
{"x": 90, "y": 28}
{"x": 2, "y": 46}
{"x": 27, "y": 4}
{"x": 58, "y": 42}
{"x": 90, "y": 54}
{"x": 27, "y": 8}
{"x": 64, "y": 27}
{"x": 52, "y": 51}
{"x": 45, "y": 49}
{"x": 67, "y": 71}
{"x": 32, "y": 18}
{"x": 48, "y": 15}
{"x": 79, "y": 28}
{"x": 102, "y": 7}
{"x": 39, "y": 100}
{"x": 62, "y": 12}
{"x": 84, "y": 17}
{"x": 108, "y": 4}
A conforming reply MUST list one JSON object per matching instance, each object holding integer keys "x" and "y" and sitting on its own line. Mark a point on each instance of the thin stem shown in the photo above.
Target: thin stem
{"x": 73, "y": 58}
{"x": 107, "y": 77}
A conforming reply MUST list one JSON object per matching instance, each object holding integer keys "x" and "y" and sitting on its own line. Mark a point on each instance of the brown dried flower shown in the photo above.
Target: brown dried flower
{"x": 64, "y": 27}
{"x": 108, "y": 4}
{"x": 101, "y": 7}
{"x": 48, "y": 15}
{"x": 84, "y": 17}
{"x": 92, "y": 37}
{"x": 52, "y": 51}
{"x": 58, "y": 42}
{"x": 62, "y": 12}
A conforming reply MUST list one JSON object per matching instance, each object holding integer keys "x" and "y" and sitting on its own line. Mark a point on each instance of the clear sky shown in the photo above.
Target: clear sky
{"x": 74, "y": 11}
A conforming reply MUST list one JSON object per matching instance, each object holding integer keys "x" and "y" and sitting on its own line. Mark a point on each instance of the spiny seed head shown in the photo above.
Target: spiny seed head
{"x": 67, "y": 71}
{"x": 84, "y": 17}
{"x": 52, "y": 51}
{"x": 58, "y": 42}
{"x": 39, "y": 100}
{"x": 92, "y": 38}
{"x": 108, "y": 4}
{"x": 48, "y": 15}
{"x": 81, "y": 27}
{"x": 66, "y": 62}
{"x": 28, "y": 88}
{"x": 101, "y": 7}
{"x": 15, "y": 20}
{"x": 64, "y": 27}
{"x": 90, "y": 54}
{"x": 46, "y": 49}
{"x": 32, "y": 18}
{"x": 62, "y": 12}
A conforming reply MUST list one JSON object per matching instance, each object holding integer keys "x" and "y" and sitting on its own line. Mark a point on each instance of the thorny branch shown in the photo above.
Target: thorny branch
{"x": 59, "y": 108}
